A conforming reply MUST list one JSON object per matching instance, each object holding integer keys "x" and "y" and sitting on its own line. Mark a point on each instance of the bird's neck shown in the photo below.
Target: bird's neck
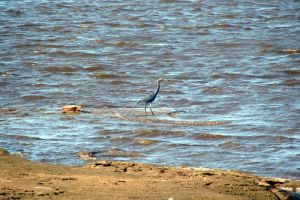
{"x": 157, "y": 88}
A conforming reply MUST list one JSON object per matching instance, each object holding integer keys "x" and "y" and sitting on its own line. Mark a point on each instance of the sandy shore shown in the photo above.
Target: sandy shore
{"x": 23, "y": 179}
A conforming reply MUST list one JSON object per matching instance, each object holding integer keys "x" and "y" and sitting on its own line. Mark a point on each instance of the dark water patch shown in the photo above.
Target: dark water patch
{"x": 155, "y": 133}
{"x": 23, "y": 46}
{"x": 117, "y": 82}
{"x": 79, "y": 54}
{"x": 122, "y": 139}
{"x": 269, "y": 138}
{"x": 108, "y": 76}
{"x": 65, "y": 69}
{"x": 49, "y": 46}
{"x": 113, "y": 25}
{"x": 242, "y": 76}
{"x": 207, "y": 136}
{"x": 125, "y": 44}
{"x": 224, "y": 26}
{"x": 229, "y": 44}
{"x": 14, "y": 12}
{"x": 94, "y": 68}
{"x": 19, "y": 137}
{"x": 292, "y": 72}
{"x": 28, "y": 63}
{"x": 230, "y": 16}
{"x": 110, "y": 132}
{"x": 60, "y": 29}
{"x": 33, "y": 97}
{"x": 291, "y": 82}
{"x": 174, "y": 1}
{"x": 213, "y": 90}
{"x": 3, "y": 83}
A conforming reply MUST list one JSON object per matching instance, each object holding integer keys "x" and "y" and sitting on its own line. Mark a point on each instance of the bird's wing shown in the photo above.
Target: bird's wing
{"x": 149, "y": 98}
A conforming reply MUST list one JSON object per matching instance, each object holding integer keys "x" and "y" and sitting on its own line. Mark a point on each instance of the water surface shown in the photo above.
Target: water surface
{"x": 234, "y": 62}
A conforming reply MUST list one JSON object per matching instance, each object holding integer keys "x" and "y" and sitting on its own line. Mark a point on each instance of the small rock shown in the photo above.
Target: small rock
{"x": 3, "y": 152}
{"x": 71, "y": 109}
{"x": 103, "y": 163}
{"x": 87, "y": 155}
{"x": 263, "y": 183}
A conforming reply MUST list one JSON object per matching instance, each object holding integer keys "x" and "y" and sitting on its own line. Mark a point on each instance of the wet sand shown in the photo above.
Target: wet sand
{"x": 23, "y": 179}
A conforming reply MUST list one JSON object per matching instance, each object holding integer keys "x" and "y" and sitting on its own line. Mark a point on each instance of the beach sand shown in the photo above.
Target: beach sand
{"x": 24, "y": 179}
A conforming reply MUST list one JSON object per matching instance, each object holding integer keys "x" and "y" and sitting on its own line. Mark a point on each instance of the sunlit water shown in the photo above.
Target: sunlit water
{"x": 231, "y": 62}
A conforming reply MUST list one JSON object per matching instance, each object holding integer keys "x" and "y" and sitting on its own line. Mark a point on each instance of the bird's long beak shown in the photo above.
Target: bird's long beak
{"x": 168, "y": 80}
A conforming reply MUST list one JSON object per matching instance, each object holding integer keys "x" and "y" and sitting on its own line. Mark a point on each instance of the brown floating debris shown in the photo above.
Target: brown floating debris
{"x": 71, "y": 109}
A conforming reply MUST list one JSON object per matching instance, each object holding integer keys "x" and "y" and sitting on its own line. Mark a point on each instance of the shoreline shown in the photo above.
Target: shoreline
{"x": 24, "y": 179}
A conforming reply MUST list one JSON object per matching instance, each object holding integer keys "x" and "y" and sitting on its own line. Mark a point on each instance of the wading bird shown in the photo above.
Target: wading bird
{"x": 147, "y": 100}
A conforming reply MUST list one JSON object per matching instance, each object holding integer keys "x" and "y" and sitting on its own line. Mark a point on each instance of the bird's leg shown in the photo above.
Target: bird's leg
{"x": 151, "y": 109}
{"x": 145, "y": 108}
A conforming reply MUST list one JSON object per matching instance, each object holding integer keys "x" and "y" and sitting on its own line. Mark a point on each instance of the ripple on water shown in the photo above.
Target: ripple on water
{"x": 33, "y": 97}
{"x": 64, "y": 69}
{"x": 156, "y": 133}
{"x": 207, "y": 136}
{"x": 108, "y": 76}
{"x": 19, "y": 137}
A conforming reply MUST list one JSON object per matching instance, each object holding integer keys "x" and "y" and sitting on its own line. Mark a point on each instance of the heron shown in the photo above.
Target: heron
{"x": 147, "y": 100}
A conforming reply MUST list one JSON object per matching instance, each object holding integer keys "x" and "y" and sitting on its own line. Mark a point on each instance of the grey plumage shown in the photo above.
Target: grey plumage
{"x": 147, "y": 100}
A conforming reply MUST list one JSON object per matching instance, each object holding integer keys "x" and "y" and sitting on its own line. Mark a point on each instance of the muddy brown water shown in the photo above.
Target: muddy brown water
{"x": 232, "y": 100}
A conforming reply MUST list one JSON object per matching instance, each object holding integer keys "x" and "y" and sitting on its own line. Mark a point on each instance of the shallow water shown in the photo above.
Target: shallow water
{"x": 235, "y": 63}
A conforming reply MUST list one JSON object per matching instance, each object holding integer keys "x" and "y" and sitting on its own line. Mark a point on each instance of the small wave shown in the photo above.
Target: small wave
{"x": 292, "y": 72}
{"x": 33, "y": 97}
{"x": 107, "y": 76}
{"x": 116, "y": 152}
{"x": 64, "y": 69}
{"x": 162, "y": 121}
{"x": 291, "y": 82}
{"x": 121, "y": 139}
{"x": 72, "y": 54}
{"x": 55, "y": 46}
{"x": 117, "y": 82}
{"x": 94, "y": 68}
{"x": 213, "y": 90}
{"x": 207, "y": 136}
{"x": 19, "y": 137}
{"x": 229, "y": 145}
{"x": 14, "y": 12}
{"x": 270, "y": 138}
{"x": 224, "y": 26}
{"x": 124, "y": 44}
{"x": 154, "y": 133}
